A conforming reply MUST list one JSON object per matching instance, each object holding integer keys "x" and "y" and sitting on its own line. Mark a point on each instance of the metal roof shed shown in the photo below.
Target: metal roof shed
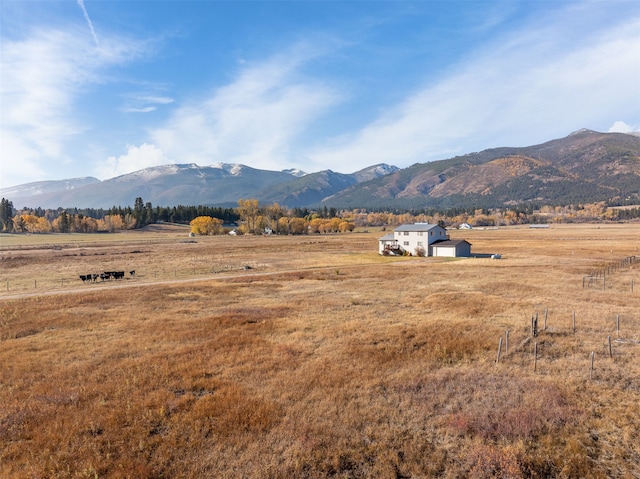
{"x": 451, "y": 248}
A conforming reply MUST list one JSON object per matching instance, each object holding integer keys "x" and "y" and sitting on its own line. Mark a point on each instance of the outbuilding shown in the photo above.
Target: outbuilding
{"x": 451, "y": 248}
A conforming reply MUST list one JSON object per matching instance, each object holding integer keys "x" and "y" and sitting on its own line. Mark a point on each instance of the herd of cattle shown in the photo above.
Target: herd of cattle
{"x": 105, "y": 276}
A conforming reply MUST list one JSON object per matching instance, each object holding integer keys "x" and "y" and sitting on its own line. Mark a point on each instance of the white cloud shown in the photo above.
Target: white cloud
{"x": 254, "y": 120}
{"x": 161, "y": 100}
{"x": 18, "y": 161}
{"x": 524, "y": 88}
{"x": 144, "y": 109}
{"x": 89, "y": 22}
{"x": 621, "y": 127}
{"x": 145, "y": 103}
{"x": 42, "y": 75}
{"x": 137, "y": 158}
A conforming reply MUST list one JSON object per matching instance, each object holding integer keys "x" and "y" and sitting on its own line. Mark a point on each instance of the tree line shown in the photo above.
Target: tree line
{"x": 92, "y": 220}
{"x": 251, "y": 217}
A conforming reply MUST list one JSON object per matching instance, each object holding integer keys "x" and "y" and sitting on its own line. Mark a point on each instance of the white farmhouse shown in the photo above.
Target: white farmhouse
{"x": 422, "y": 239}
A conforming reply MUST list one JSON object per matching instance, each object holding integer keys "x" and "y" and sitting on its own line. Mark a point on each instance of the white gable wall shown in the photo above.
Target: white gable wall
{"x": 411, "y": 237}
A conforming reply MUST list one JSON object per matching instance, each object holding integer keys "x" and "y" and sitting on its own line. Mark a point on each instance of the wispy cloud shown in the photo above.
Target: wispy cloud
{"x": 527, "y": 86}
{"x": 145, "y": 103}
{"x": 89, "y": 22}
{"x": 337, "y": 100}
{"x": 42, "y": 77}
{"x": 254, "y": 120}
{"x": 161, "y": 100}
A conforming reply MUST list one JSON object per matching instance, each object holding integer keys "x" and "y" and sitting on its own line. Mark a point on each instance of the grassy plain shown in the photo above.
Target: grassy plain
{"x": 322, "y": 360}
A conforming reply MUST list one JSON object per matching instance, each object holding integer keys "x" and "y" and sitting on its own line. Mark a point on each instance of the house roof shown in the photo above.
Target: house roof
{"x": 417, "y": 227}
{"x": 450, "y": 242}
{"x": 388, "y": 237}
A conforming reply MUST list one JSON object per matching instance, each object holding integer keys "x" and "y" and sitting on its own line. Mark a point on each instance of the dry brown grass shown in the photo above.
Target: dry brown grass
{"x": 323, "y": 361}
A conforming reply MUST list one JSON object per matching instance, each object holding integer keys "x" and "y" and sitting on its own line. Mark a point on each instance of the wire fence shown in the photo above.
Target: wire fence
{"x": 598, "y": 278}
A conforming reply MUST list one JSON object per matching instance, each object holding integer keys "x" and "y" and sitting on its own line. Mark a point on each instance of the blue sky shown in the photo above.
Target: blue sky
{"x": 104, "y": 88}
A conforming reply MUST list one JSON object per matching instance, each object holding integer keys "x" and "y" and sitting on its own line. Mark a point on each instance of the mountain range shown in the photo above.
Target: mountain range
{"x": 583, "y": 167}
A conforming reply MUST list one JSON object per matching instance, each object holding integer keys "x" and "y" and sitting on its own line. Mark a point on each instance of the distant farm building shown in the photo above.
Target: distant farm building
{"x": 422, "y": 239}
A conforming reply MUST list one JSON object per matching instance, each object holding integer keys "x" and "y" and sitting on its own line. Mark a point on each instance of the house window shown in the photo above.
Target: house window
{"x": 420, "y": 243}
{"x": 406, "y": 243}
{"x": 406, "y": 233}
{"x": 420, "y": 233}
{"x": 431, "y": 233}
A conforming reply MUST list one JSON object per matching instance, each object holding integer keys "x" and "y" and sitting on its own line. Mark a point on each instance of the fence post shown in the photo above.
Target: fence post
{"x": 610, "y": 350}
{"x": 591, "y": 368}
{"x": 506, "y": 348}
{"x": 546, "y": 311}
{"x": 574, "y": 322}
{"x": 499, "y": 349}
{"x": 535, "y": 356}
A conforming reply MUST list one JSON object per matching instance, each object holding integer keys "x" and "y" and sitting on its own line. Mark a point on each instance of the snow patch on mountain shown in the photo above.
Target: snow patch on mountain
{"x": 375, "y": 171}
{"x": 43, "y": 187}
{"x": 295, "y": 172}
{"x": 232, "y": 168}
{"x": 150, "y": 173}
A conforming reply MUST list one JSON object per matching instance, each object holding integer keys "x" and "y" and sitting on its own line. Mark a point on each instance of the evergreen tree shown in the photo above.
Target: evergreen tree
{"x": 64, "y": 222}
{"x": 6, "y": 215}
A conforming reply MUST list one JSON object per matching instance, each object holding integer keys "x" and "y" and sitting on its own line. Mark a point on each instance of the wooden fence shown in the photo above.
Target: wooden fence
{"x": 598, "y": 278}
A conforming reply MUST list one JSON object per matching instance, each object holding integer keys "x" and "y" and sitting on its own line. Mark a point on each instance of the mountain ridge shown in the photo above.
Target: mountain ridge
{"x": 584, "y": 166}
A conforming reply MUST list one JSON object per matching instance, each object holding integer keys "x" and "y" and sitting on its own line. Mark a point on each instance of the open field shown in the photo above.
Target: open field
{"x": 322, "y": 360}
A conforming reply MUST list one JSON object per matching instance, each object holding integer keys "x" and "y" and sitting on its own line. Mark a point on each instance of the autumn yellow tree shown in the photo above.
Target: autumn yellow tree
{"x": 112, "y": 223}
{"x": 206, "y": 225}
{"x": 283, "y": 225}
{"x": 61, "y": 223}
{"x": 315, "y": 225}
{"x": 248, "y": 211}
{"x": 334, "y": 224}
{"x": 346, "y": 226}
{"x": 272, "y": 215}
{"x": 31, "y": 223}
{"x": 297, "y": 226}
{"x": 89, "y": 225}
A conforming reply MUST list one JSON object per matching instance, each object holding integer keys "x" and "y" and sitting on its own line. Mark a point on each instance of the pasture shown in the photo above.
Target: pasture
{"x": 321, "y": 360}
